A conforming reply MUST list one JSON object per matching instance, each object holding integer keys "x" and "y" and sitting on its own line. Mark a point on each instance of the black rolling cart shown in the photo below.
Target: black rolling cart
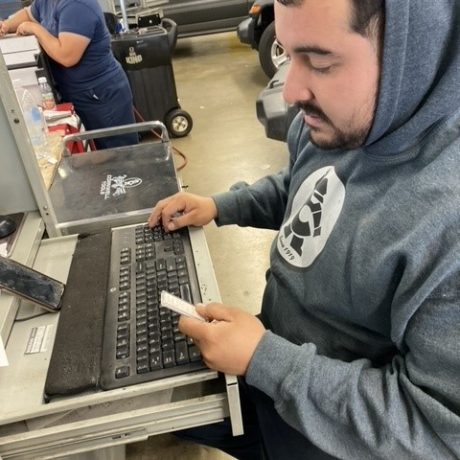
{"x": 146, "y": 57}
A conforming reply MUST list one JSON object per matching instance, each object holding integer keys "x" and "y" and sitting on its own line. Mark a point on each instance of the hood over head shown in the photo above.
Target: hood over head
{"x": 420, "y": 76}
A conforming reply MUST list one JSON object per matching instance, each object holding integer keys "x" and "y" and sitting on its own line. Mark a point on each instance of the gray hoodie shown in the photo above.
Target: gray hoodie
{"x": 362, "y": 300}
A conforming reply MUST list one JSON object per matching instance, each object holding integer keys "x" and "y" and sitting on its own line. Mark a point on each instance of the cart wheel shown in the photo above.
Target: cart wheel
{"x": 179, "y": 122}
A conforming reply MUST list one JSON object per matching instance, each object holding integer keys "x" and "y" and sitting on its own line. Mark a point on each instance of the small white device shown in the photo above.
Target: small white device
{"x": 179, "y": 306}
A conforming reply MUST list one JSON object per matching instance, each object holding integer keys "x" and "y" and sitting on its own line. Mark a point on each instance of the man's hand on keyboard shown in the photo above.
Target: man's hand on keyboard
{"x": 228, "y": 341}
{"x": 183, "y": 209}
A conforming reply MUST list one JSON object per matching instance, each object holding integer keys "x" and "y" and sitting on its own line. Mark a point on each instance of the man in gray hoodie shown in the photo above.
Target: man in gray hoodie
{"x": 357, "y": 354}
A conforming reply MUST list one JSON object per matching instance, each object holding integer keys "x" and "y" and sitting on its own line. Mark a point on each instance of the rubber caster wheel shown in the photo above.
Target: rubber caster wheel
{"x": 178, "y": 122}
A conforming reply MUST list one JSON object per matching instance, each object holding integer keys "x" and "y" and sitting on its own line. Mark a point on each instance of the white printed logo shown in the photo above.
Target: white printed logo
{"x": 315, "y": 210}
{"x": 133, "y": 58}
{"x": 117, "y": 185}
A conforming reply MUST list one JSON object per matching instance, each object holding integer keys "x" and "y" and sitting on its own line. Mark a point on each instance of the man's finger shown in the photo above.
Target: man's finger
{"x": 192, "y": 327}
{"x": 157, "y": 211}
{"x": 179, "y": 220}
{"x": 154, "y": 217}
{"x": 172, "y": 210}
{"x": 216, "y": 312}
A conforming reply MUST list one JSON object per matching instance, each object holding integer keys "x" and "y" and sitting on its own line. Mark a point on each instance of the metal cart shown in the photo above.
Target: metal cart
{"x": 120, "y": 184}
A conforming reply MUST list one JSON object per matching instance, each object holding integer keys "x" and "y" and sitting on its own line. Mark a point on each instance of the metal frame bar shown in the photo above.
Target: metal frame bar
{"x": 19, "y": 130}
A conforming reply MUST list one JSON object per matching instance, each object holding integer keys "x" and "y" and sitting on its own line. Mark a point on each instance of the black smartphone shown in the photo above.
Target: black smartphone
{"x": 30, "y": 284}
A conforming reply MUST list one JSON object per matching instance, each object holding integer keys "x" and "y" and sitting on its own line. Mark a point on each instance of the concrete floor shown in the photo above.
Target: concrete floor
{"x": 218, "y": 80}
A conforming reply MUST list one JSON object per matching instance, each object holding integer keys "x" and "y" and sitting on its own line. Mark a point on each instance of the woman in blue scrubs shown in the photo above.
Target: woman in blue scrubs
{"x": 74, "y": 35}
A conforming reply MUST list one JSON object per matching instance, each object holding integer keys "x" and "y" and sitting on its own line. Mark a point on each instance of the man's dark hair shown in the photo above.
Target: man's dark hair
{"x": 367, "y": 16}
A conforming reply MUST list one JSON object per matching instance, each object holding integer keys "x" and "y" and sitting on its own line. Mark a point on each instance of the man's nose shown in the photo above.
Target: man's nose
{"x": 296, "y": 85}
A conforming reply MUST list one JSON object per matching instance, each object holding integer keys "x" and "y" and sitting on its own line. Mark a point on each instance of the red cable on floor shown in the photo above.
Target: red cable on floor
{"x": 140, "y": 118}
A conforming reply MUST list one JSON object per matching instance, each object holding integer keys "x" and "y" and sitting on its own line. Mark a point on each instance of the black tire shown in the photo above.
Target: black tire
{"x": 178, "y": 122}
{"x": 271, "y": 54}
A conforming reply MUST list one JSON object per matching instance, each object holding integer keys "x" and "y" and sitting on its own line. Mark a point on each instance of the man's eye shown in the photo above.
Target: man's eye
{"x": 319, "y": 66}
{"x": 322, "y": 70}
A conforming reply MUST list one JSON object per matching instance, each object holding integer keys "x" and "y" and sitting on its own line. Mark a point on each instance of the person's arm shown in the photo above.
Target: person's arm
{"x": 66, "y": 49}
{"x": 11, "y": 24}
{"x": 242, "y": 206}
{"x": 262, "y": 204}
{"x": 408, "y": 409}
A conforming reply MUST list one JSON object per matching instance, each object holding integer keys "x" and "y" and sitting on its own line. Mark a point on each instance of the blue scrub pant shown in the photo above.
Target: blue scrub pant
{"x": 106, "y": 105}
{"x": 266, "y": 435}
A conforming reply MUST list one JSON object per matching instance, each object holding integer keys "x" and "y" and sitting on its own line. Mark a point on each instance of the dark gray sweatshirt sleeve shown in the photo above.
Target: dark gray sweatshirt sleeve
{"x": 260, "y": 205}
{"x": 408, "y": 409}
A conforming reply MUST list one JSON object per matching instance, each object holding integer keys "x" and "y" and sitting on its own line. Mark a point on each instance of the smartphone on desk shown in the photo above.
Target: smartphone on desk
{"x": 30, "y": 284}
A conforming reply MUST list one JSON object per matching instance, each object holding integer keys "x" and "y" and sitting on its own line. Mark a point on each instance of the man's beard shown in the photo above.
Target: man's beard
{"x": 340, "y": 139}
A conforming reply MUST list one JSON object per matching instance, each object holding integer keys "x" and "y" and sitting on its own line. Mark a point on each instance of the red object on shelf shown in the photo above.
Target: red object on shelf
{"x": 66, "y": 128}
{"x": 65, "y": 106}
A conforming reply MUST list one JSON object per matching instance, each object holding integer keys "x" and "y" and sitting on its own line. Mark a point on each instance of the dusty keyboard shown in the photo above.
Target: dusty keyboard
{"x": 141, "y": 340}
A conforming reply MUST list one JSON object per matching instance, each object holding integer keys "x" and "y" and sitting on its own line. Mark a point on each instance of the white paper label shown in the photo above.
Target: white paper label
{"x": 38, "y": 339}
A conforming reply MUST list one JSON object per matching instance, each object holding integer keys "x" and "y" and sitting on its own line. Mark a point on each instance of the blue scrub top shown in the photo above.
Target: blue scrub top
{"x": 82, "y": 17}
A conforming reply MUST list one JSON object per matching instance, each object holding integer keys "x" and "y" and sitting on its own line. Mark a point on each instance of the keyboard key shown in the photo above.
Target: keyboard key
{"x": 169, "y": 358}
{"x": 122, "y": 372}
{"x": 142, "y": 368}
{"x": 123, "y": 331}
{"x": 160, "y": 264}
{"x": 124, "y": 316}
{"x": 167, "y": 335}
{"x": 167, "y": 344}
{"x": 154, "y": 348}
{"x": 155, "y": 361}
{"x": 194, "y": 353}
{"x": 154, "y": 336}
{"x": 142, "y": 357}
{"x": 170, "y": 264}
{"x": 185, "y": 292}
{"x": 182, "y": 353}
{"x": 178, "y": 249}
{"x": 124, "y": 302}
{"x": 124, "y": 286}
{"x": 122, "y": 352}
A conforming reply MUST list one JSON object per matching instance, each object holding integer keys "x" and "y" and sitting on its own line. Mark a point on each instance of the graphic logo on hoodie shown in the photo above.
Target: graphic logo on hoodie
{"x": 315, "y": 210}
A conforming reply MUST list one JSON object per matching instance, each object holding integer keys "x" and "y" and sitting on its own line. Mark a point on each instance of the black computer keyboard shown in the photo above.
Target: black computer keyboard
{"x": 141, "y": 340}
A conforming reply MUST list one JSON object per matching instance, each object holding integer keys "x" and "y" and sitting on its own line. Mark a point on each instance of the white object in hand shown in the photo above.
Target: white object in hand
{"x": 179, "y": 306}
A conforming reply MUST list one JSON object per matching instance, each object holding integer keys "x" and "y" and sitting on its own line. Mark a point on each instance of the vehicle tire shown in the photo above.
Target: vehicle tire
{"x": 178, "y": 123}
{"x": 271, "y": 53}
